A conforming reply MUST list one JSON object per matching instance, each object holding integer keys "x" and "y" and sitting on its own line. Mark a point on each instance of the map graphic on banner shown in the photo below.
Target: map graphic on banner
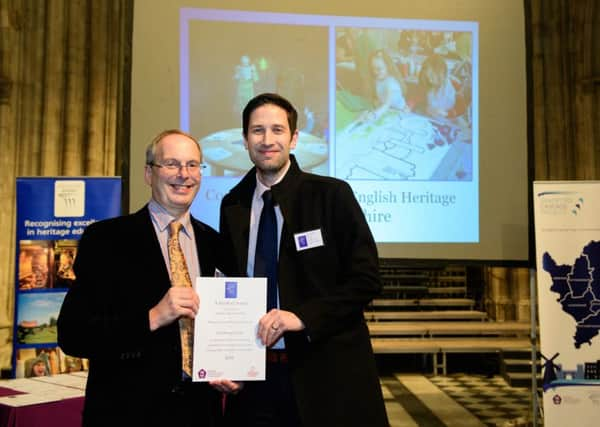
{"x": 578, "y": 286}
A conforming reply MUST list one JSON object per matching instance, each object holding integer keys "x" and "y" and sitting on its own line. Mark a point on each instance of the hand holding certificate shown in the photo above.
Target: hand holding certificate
{"x": 225, "y": 341}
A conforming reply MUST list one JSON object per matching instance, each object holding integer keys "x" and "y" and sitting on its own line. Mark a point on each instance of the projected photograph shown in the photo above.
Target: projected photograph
{"x": 230, "y": 63}
{"x": 388, "y": 105}
{"x": 403, "y": 104}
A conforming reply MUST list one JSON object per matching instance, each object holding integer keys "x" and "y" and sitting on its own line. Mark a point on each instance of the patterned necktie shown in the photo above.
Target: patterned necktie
{"x": 265, "y": 255}
{"x": 181, "y": 277}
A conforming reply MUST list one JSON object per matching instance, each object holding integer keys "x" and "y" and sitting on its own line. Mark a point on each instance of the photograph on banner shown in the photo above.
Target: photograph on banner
{"x": 37, "y": 362}
{"x": 34, "y": 264}
{"x": 45, "y": 264}
{"x": 37, "y": 316}
{"x": 45, "y": 361}
{"x": 567, "y": 230}
{"x": 65, "y": 252}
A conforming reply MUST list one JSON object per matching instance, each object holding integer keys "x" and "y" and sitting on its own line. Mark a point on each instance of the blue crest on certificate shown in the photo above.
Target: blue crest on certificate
{"x": 231, "y": 289}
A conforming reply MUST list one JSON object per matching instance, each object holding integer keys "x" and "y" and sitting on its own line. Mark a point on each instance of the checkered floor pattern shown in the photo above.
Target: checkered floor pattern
{"x": 491, "y": 400}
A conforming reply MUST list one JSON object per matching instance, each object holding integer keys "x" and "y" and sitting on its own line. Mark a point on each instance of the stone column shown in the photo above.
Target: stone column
{"x": 521, "y": 294}
{"x": 498, "y": 303}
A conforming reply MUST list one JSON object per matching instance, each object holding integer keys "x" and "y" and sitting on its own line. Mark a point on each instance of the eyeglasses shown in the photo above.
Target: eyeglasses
{"x": 172, "y": 165}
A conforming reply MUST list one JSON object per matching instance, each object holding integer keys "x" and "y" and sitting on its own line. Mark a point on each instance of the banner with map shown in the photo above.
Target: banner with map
{"x": 51, "y": 216}
{"x": 567, "y": 237}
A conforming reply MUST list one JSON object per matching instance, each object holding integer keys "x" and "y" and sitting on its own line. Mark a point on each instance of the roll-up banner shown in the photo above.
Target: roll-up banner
{"x": 567, "y": 237}
{"x": 52, "y": 213}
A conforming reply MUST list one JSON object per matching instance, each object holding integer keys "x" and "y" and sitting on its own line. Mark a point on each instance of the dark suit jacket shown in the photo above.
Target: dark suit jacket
{"x": 121, "y": 274}
{"x": 327, "y": 287}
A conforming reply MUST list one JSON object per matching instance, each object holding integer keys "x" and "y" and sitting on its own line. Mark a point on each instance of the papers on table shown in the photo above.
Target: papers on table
{"x": 44, "y": 389}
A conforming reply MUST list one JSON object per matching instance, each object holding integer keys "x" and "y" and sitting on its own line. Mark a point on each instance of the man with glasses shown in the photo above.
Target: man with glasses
{"x": 124, "y": 311}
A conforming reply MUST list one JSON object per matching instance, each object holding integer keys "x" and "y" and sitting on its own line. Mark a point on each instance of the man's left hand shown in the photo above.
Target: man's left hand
{"x": 273, "y": 324}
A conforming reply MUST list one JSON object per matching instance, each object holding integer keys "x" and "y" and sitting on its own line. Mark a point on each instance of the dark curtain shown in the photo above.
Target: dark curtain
{"x": 64, "y": 105}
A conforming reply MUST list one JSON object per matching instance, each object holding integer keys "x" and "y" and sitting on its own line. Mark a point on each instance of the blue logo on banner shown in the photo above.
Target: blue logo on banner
{"x": 231, "y": 289}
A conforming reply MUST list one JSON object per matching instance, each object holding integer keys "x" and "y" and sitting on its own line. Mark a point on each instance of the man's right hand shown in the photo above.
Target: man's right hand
{"x": 178, "y": 302}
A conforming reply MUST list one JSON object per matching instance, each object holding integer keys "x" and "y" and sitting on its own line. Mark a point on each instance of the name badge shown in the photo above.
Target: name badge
{"x": 308, "y": 239}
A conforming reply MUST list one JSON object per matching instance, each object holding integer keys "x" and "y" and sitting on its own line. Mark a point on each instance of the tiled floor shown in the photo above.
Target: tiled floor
{"x": 456, "y": 400}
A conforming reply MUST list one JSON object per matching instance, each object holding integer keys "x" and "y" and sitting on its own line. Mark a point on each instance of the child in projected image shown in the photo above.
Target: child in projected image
{"x": 438, "y": 91}
{"x": 388, "y": 87}
{"x": 246, "y": 76}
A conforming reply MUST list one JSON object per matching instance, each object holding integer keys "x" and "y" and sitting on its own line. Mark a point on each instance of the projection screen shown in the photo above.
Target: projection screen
{"x": 420, "y": 108}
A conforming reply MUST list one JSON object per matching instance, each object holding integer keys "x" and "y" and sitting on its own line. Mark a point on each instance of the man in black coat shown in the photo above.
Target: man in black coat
{"x": 122, "y": 312}
{"x": 320, "y": 365}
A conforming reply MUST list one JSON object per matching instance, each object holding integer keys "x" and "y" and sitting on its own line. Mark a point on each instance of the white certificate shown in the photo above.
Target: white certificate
{"x": 225, "y": 342}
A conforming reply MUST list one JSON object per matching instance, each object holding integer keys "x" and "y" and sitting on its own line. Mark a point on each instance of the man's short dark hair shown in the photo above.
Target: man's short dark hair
{"x": 269, "y": 98}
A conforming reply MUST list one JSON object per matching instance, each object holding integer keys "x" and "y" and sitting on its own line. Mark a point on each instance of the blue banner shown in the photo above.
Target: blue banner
{"x": 51, "y": 216}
